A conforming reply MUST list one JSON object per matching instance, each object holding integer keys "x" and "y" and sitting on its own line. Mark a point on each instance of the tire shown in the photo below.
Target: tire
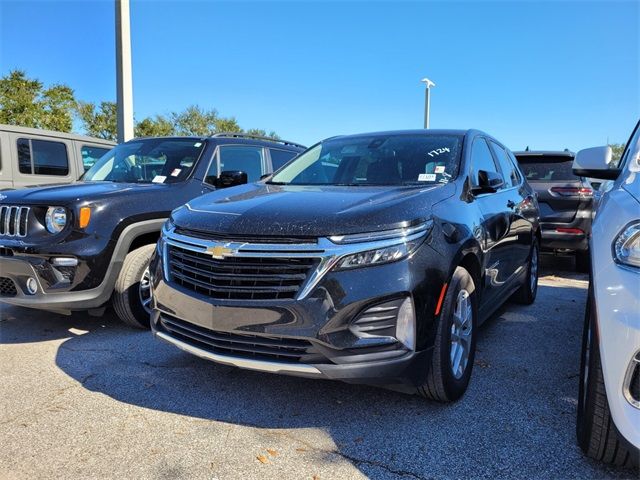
{"x": 127, "y": 296}
{"x": 443, "y": 384}
{"x": 583, "y": 262}
{"x": 527, "y": 293}
{"x": 597, "y": 435}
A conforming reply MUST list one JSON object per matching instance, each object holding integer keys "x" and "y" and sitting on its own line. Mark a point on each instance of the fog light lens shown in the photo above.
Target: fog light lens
{"x": 406, "y": 324}
{"x": 32, "y": 286}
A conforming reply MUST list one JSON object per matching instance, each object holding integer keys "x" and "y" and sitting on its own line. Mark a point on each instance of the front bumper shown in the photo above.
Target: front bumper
{"x": 617, "y": 306}
{"x": 54, "y": 291}
{"x": 345, "y": 327}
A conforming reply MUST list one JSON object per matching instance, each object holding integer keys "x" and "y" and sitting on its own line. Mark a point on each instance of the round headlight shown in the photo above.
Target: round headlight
{"x": 56, "y": 219}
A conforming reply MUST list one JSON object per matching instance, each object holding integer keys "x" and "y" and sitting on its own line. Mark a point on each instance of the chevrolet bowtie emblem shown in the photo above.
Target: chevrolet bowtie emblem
{"x": 220, "y": 252}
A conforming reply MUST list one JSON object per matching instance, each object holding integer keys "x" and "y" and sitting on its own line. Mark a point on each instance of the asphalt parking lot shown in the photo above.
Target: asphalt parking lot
{"x": 87, "y": 397}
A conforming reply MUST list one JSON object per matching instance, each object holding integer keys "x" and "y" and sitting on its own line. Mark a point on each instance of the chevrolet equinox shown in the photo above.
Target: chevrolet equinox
{"x": 369, "y": 258}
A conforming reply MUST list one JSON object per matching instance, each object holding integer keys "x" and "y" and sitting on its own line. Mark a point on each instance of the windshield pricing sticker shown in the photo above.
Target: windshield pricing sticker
{"x": 427, "y": 177}
{"x": 159, "y": 179}
{"x": 197, "y": 144}
{"x": 439, "y": 169}
{"x": 176, "y": 172}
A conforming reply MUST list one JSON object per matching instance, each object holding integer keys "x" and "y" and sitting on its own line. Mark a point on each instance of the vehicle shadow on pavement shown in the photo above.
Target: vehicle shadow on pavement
{"x": 517, "y": 418}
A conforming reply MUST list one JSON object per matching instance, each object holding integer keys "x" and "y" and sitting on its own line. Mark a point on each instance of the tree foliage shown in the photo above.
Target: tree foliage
{"x": 26, "y": 102}
{"x": 618, "y": 149}
{"x": 99, "y": 121}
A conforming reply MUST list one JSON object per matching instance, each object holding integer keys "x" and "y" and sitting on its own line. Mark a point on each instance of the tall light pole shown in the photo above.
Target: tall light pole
{"x": 427, "y": 99}
{"x": 123, "y": 72}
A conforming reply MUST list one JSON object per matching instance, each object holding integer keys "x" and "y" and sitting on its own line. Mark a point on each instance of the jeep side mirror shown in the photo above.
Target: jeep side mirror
{"x": 231, "y": 178}
{"x": 594, "y": 162}
{"x": 488, "y": 182}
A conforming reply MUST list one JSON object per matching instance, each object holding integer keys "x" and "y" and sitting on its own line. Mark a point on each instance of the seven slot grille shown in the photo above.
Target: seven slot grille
{"x": 13, "y": 221}
{"x": 238, "y": 278}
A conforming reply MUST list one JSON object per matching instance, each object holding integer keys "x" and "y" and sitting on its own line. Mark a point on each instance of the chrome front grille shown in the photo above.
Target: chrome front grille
{"x": 13, "y": 221}
{"x": 238, "y": 278}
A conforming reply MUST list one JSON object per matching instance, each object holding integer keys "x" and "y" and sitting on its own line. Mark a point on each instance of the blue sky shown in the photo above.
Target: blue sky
{"x": 545, "y": 74}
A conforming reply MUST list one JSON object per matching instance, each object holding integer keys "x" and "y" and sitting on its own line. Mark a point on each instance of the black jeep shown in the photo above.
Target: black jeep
{"x": 74, "y": 247}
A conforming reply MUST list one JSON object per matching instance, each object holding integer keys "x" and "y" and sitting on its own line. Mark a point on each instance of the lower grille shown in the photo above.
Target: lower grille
{"x": 239, "y": 278}
{"x": 7, "y": 287}
{"x": 13, "y": 221}
{"x": 242, "y": 345}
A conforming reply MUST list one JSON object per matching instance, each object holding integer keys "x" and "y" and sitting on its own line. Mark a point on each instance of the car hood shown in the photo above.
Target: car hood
{"x": 81, "y": 191}
{"x": 307, "y": 211}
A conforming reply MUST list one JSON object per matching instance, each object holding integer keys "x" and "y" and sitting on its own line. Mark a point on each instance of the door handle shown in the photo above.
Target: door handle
{"x": 511, "y": 204}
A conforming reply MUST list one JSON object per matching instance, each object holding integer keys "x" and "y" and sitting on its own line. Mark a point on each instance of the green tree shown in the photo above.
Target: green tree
{"x": 263, "y": 133}
{"x": 227, "y": 125}
{"x": 27, "y": 103}
{"x": 157, "y": 126}
{"x": 99, "y": 121}
{"x": 194, "y": 120}
{"x": 617, "y": 149}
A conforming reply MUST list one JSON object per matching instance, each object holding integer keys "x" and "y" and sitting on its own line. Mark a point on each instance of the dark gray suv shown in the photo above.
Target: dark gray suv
{"x": 566, "y": 202}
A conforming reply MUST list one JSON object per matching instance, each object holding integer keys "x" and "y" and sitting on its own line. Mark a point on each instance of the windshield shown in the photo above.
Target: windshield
{"x": 157, "y": 160}
{"x": 400, "y": 159}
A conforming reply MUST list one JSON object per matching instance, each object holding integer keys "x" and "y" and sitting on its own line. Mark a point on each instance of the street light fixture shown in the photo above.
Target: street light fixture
{"x": 427, "y": 99}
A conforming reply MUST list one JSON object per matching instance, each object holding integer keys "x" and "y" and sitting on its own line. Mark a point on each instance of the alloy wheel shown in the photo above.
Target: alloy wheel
{"x": 461, "y": 334}
{"x": 534, "y": 270}
{"x": 144, "y": 290}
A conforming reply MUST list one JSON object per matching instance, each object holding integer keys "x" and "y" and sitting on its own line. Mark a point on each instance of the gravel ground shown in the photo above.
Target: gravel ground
{"x": 86, "y": 397}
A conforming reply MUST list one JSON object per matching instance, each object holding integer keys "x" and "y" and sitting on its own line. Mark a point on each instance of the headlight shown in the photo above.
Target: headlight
{"x": 55, "y": 219}
{"x": 626, "y": 247}
{"x": 377, "y": 256}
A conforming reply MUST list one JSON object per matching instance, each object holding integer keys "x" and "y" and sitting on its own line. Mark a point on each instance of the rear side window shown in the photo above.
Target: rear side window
{"x": 42, "y": 157}
{"x": 547, "y": 168}
{"x": 90, "y": 154}
{"x": 280, "y": 157}
{"x": 508, "y": 169}
{"x": 481, "y": 159}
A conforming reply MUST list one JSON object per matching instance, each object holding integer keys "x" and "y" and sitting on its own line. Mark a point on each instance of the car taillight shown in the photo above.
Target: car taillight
{"x": 574, "y": 231}
{"x": 573, "y": 191}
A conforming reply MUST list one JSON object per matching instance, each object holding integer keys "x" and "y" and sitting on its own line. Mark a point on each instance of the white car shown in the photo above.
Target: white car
{"x": 608, "y": 423}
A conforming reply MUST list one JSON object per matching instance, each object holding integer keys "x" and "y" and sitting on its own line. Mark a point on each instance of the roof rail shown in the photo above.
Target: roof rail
{"x": 257, "y": 137}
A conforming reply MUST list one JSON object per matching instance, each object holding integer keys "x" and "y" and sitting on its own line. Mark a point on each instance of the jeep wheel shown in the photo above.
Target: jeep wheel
{"x": 132, "y": 292}
{"x": 455, "y": 344}
{"x": 597, "y": 434}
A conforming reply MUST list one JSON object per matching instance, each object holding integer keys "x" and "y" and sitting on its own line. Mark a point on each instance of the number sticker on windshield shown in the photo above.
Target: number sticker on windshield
{"x": 439, "y": 169}
{"x": 439, "y": 151}
{"x": 427, "y": 177}
{"x": 175, "y": 172}
{"x": 159, "y": 179}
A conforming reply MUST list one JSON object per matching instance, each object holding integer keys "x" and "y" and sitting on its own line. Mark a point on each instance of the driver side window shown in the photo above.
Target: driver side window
{"x": 481, "y": 159}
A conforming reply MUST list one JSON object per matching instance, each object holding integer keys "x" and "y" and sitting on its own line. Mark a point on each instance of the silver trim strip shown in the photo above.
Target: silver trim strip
{"x": 259, "y": 365}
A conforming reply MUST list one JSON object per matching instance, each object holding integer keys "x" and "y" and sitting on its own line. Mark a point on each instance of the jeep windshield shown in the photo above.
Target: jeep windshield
{"x": 393, "y": 159}
{"x": 149, "y": 160}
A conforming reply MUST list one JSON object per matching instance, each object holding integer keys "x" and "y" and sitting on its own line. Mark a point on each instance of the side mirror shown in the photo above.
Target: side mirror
{"x": 594, "y": 162}
{"x": 488, "y": 182}
{"x": 231, "y": 178}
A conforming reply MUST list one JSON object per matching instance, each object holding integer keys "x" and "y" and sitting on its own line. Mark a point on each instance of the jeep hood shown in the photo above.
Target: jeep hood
{"x": 62, "y": 195}
{"x": 308, "y": 211}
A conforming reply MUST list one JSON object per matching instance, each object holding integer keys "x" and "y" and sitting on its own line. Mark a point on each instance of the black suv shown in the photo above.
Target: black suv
{"x": 566, "y": 202}
{"x": 369, "y": 258}
{"x": 74, "y": 247}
